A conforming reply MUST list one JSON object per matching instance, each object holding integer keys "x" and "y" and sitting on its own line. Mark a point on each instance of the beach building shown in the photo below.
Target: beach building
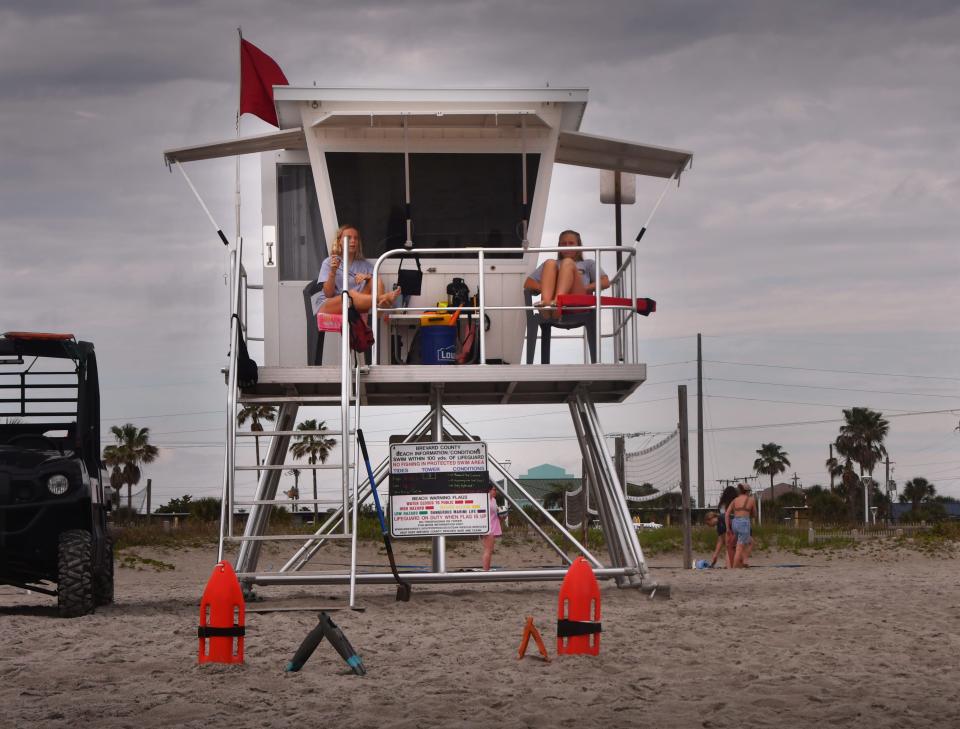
{"x": 778, "y": 490}
{"x": 541, "y": 481}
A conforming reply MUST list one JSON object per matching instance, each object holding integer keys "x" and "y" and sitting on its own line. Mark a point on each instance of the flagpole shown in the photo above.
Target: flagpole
{"x": 236, "y": 192}
{"x": 239, "y": 92}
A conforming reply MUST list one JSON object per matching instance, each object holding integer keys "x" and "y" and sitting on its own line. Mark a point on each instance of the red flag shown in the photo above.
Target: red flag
{"x": 258, "y": 75}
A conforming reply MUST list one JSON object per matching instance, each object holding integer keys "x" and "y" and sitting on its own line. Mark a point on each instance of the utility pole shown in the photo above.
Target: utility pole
{"x": 150, "y": 483}
{"x": 795, "y": 479}
{"x": 701, "y": 502}
{"x": 685, "y": 478}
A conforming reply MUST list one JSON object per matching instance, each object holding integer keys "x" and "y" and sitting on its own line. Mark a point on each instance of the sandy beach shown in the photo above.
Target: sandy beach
{"x": 853, "y": 638}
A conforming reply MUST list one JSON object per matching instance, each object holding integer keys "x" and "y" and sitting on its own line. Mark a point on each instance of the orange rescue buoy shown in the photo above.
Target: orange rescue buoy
{"x": 578, "y": 612}
{"x": 222, "y": 611}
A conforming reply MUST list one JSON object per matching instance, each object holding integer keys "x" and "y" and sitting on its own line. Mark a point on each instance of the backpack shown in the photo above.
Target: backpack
{"x": 361, "y": 335}
{"x": 247, "y": 375}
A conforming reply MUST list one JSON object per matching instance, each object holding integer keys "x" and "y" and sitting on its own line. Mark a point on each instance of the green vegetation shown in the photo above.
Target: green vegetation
{"x": 205, "y": 509}
{"x": 136, "y": 562}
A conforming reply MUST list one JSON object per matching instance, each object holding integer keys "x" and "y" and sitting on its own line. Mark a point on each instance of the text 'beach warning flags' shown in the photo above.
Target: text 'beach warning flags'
{"x": 258, "y": 75}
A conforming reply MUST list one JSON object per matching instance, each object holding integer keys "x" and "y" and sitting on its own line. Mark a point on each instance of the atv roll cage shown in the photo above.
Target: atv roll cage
{"x": 53, "y": 526}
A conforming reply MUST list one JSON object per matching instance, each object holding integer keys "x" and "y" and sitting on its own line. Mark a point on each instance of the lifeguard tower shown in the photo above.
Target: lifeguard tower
{"x": 459, "y": 177}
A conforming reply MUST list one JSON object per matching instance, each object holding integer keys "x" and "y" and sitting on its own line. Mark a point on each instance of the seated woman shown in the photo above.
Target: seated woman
{"x": 360, "y": 277}
{"x": 568, "y": 273}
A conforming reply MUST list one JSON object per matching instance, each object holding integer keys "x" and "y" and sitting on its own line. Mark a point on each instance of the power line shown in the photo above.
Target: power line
{"x": 796, "y": 340}
{"x": 824, "y": 422}
{"x": 798, "y": 402}
{"x": 828, "y": 387}
{"x": 166, "y": 415}
{"x": 840, "y": 372}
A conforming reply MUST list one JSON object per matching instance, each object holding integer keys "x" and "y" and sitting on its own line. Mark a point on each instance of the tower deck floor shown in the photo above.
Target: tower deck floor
{"x": 462, "y": 385}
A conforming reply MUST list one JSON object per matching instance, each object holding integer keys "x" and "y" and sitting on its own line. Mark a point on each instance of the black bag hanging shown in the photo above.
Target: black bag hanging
{"x": 408, "y": 280}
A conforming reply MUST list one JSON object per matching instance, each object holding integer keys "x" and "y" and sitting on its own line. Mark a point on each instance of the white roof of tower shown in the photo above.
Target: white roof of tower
{"x": 451, "y": 107}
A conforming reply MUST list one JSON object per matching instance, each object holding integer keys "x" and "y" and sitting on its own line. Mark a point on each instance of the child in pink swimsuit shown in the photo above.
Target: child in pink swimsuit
{"x": 489, "y": 539}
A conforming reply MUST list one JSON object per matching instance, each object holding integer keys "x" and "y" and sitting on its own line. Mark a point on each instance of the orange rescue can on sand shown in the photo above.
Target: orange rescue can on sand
{"x": 578, "y": 611}
{"x": 222, "y": 613}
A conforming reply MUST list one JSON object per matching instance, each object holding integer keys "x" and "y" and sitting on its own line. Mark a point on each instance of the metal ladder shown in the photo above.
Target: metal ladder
{"x": 261, "y": 506}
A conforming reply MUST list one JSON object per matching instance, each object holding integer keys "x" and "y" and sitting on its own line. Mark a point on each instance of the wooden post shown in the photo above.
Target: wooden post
{"x": 149, "y": 484}
{"x": 620, "y": 461}
{"x": 701, "y": 499}
{"x": 685, "y": 478}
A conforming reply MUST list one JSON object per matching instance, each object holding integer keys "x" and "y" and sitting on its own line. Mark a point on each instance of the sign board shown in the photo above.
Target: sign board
{"x": 439, "y": 489}
{"x": 608, "y": 187}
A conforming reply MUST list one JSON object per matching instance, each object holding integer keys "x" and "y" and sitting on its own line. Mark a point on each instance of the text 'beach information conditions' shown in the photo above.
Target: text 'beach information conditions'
{"x": 439, "y": 489}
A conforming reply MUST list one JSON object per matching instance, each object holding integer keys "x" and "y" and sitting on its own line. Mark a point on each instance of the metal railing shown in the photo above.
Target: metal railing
{"x": 623, "y": 281}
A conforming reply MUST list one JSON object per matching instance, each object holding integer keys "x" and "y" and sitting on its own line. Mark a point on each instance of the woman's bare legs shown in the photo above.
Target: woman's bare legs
{"x": 742, "y": 554}
{"x": 731, "y": 540}
{"x": 548, "y": 286}
{"x": 362, "y": 300}
{"x": 559, "y": 277}
{"x": 569, "y": 280}
{"x": 488, "y": 540}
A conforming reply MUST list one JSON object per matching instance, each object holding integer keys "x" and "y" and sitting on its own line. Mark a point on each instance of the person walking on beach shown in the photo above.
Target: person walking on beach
{"x": 726, "y": 539}
{"x": 738, "y": 515}
{"x": 489, "y": 539}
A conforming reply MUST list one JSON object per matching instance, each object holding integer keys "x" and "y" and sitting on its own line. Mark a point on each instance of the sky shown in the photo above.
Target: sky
{"x": 814, "y": 243}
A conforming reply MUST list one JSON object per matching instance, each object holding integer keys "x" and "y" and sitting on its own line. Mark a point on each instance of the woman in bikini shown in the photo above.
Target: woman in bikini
{"x": 738, "y": 516}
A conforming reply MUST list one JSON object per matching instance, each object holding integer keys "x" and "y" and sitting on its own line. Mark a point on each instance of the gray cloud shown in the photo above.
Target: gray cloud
{"x": 821, "y": 207}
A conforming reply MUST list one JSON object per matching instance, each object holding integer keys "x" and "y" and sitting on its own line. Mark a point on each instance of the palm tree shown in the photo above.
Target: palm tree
{"x": 916, "y": 490}
{"x": 773, "y": 460}
{"x": 256, "y": 413}
{"x": 843, "y": 468}
{"x": 834, "y": 468}
{"x": 315, "y": 448}
{"x": 861, "y": 440}
{"x": 132, "y": 448}
{"x": 293, "y": 492}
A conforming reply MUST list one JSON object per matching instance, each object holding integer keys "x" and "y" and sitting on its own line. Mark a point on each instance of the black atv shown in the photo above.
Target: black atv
{"x": 53, "y": 514}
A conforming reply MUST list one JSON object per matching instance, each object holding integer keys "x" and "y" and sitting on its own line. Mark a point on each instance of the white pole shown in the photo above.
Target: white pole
{"x": 237, "y": 157}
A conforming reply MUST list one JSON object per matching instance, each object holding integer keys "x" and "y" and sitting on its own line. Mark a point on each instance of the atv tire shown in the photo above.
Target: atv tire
{"x": 103, "y": 576}
{"x": 75, "y": 573}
